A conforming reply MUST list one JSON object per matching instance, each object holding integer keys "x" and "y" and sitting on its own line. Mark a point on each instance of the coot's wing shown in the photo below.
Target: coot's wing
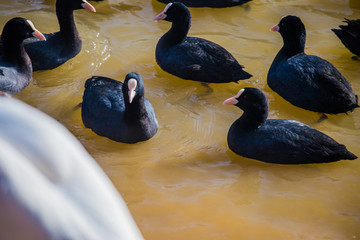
{"x": 316, "y": 145}
{"x": 211, "y": 52}
{"x": 294, "y": 142}
{"x": 321, "y": 86}
{"x": 8, "y": 78}
{"x": 318, "y": 72}
{"x": 103, "y": 98}
{"x": 209, "y": 62}
{"x": 12, "y": 78}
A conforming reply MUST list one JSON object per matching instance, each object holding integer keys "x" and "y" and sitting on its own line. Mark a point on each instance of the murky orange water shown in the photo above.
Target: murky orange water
{"x": 185, "y": 183}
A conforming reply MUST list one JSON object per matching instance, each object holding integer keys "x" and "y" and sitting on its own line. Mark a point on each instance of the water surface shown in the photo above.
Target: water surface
{"x": 185, "y": 183}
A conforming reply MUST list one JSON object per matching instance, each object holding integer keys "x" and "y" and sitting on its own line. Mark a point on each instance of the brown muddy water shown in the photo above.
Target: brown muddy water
{"x": 185, "y": 183}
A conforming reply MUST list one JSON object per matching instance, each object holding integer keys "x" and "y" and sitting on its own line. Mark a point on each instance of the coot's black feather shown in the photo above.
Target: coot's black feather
{"x": 194, "y": 58}
{"x": 306, "y": 81}
{"x": 209, "y": 3}
{"x": 106, "y": 109}
{"x": 278, "y": 140}
{"x": 60, "y": 46}
{"x": 350, "y": 35}
{"x": 15, "y": 64}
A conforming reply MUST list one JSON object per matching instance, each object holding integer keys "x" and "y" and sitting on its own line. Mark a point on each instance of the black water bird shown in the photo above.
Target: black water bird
{"x": 307, "y": 81}
{"x": 209, "y": 3}
{"x": 60, "y": 46}
{"x": 278, "y": 140}
{"x": 117, "y": 110}
{"x": 15, "y": 64}
{"x": 350, "y": 35}
{"x": 193, "y": 58}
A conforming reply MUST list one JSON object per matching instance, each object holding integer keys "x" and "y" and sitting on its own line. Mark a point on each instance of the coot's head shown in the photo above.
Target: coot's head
{"x": 18, "y": 29}
{"x": 250, "y": 100}
{"x": 63, "y": 5}
{"x": 133, "y": 87}
{"x": 174, "y": 12}
{"x": 290, "y": 27}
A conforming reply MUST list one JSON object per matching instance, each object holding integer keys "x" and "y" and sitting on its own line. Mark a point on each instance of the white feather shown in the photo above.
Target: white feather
{"x": 50, "y": 187}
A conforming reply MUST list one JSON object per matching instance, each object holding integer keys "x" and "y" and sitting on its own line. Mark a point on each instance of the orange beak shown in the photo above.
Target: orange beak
{"x": 38, "y": 35}
{"x": 230, "y": 101}
{"x": 275, "y": 28}
{"x": 162, "y": 15}
{"x": 88, "y": 6}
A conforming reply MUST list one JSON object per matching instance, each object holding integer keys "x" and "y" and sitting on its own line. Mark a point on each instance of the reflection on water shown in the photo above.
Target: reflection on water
{"x": 185, "y": 183}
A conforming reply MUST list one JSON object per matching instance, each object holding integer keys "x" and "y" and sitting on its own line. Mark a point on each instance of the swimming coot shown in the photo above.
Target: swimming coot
{"x": 277, "y": 140}
{"x": 60, "y": 46}
{"x": 209, "y": 3}
{"x": 118, "y": 110}
{"x": 307, "y": 81}
{"x": 193, "y": 58}
{"x": 15, "y": 64}
{"x": 350, "y": 35}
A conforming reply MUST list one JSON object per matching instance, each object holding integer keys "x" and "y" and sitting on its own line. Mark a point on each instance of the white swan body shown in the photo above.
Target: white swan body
{"x": 50, "y": 187}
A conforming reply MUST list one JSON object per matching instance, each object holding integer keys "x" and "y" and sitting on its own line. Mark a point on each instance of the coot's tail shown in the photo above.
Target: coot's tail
{"x": 350, "y": 156}
{"x": 338, "y": 152}
{"x": 241, "y": 75}
{"x": 356, "y": 104}
{"x": 343, "y": 153}
{"x": 338, "y": 32}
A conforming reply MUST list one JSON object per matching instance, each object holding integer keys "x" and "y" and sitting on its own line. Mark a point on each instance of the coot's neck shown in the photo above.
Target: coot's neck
{"x": 136, "y": 110}
{"x": 178, "y": 31}
{"x": 14, "y": 50}
{"x": 66, "y": 21}
{"x": 255, "y": 119}
{"x": 293, "y": 44}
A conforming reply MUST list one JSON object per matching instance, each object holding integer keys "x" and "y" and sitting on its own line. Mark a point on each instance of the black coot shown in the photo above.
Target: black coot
{"x": 193, "y": 58}
{"x": 15, "y": 64}
{"x": 307, "y": 81}
{"x": 117, "y": 110}
{"x": 209, "y": 3}
{"x": 278, "y": 140}
{"x": 60, "y": 46}
{"x": 350, "y": 35}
